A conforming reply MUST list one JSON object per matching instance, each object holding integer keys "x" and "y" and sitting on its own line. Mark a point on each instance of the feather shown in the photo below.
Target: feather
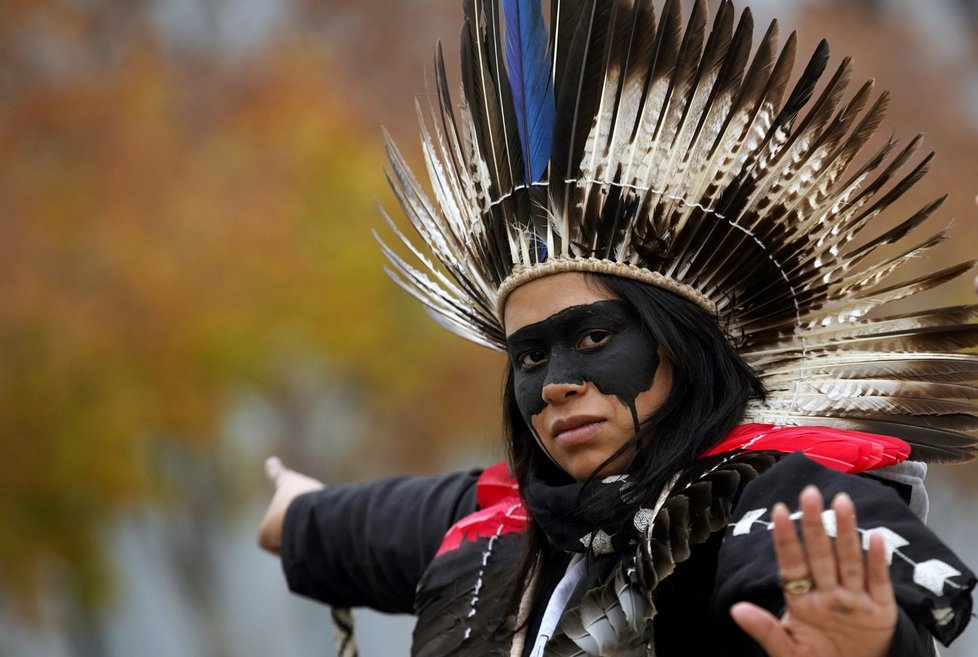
{"x": 764, "y": 88}
{"x": 530, "y": 83}
{"x": 488, "y": 94}
{"x": 940, "y": 368}
{"x": 849, "y": 310}
{"x": 565, "y": 18}
{"x": 576, "y": 104}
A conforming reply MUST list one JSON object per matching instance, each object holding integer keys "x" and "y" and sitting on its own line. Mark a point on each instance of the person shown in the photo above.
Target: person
{"x": 659, "y": 232}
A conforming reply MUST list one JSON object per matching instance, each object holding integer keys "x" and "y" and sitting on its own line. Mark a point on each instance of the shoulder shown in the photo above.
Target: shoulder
{"x": 499, "y": 510}
{"x": 462, "y": 596}
{"x": 842, "y": 450}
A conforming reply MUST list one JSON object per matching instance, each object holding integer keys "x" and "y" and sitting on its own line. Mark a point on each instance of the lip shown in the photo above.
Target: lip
{"x": 575, "y": 429}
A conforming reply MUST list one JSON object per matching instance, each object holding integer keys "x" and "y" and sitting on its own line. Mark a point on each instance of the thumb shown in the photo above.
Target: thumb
{"x": 274, "y": 469}
{"x": 763, "y": 627}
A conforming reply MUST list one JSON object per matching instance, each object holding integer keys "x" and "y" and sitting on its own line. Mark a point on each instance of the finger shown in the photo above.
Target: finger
{"x": 878, "y": 581}
{"x": 848, "y": 547}
{"x": 787, "y": 548}
{"x": 764, "y": 628}
{"x": 274, "y": 469}
{"x": 818, "y": 546}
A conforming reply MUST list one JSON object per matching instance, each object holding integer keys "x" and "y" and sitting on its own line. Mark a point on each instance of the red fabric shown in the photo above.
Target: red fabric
{"x": 496, "y": 485}
{"x": 837, "y": 449}
{"x": 501, "y": 510}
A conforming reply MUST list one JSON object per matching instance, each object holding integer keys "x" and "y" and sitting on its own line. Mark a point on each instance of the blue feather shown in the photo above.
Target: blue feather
{"x": 528, "y": 67}
{"x": 540, "y": 247}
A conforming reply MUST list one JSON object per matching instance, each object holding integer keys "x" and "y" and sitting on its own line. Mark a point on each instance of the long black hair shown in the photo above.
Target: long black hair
{"x": 711, "y": 386}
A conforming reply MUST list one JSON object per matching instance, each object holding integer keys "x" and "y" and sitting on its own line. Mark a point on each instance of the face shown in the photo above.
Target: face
{"x": 586, "y": 372}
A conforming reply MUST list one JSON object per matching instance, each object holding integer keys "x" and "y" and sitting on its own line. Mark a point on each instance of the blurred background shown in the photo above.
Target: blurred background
{"x": 190, "y": 284}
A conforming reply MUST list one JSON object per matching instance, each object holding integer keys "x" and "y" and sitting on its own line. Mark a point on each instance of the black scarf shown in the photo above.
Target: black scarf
{"x": 582, "y": 516}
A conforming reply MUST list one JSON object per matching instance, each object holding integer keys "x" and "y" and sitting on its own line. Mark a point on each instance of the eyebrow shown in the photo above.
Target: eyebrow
{"x": 528, "y": 333}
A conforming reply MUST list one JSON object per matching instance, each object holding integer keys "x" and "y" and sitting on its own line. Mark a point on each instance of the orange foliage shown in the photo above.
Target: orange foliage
{"x": 171, "y": 231}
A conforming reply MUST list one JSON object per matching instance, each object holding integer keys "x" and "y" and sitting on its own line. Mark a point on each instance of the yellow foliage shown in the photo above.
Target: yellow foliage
{"x": 168, "y": 232}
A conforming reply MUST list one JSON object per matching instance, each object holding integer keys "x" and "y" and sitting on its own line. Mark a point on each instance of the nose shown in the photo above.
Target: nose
{"x": 555, "y": 393}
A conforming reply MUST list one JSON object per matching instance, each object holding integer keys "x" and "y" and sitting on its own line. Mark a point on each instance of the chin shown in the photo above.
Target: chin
{"x": 583, "y": 470}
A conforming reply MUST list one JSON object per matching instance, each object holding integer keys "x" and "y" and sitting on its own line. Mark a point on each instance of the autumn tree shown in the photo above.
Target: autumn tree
{"x": 176, "y": 230}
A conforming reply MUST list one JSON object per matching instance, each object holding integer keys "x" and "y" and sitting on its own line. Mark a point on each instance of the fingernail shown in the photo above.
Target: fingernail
{"x": 273, "y": 465}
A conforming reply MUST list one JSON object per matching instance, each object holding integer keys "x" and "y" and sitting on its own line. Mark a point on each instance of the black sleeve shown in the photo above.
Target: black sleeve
{"x": 368, "y": 544}
{"x": 911, "y": 639}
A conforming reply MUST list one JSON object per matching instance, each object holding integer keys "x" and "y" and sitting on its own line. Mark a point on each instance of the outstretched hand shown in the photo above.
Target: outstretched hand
{"x": 289, "y": 484}
{"x": 838, "y": 604}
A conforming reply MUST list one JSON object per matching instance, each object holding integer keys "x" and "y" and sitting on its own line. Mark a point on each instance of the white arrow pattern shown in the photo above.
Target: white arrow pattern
{"x": 891, "y": 540}
{"x": 933, "y": 574}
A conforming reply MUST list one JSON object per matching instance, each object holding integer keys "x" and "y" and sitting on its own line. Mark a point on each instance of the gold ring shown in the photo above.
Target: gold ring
{"x": 798, "y": 586}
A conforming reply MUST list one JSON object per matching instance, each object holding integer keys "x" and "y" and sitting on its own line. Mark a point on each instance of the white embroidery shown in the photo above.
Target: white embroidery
{"x": 932, "y": 575}
{"x": 743, "y": 525}
{"x": 794, "y": 516}
{"x": 943, "y": 616}
{"x": 474, "y": 601}
{"x": 828, "y": 521}
{"x": 643, "y": 518}
{"x": 891, "y": 540}
{"x": 599, "y": 542}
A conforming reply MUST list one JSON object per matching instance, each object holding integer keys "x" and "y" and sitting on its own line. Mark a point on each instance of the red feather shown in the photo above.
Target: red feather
{"x": 501, "y": 510}
{"x": 837, "y": 449}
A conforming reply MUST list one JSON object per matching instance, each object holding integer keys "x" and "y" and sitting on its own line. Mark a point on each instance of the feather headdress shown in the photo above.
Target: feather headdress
{"x": 622, "y": 141}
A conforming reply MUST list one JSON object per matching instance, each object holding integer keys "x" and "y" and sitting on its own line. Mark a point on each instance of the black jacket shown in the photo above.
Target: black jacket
{"x": 374, "y": 545}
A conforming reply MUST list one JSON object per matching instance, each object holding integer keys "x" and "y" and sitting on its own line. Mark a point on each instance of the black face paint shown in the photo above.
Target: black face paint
{"x": 602, "y": 342}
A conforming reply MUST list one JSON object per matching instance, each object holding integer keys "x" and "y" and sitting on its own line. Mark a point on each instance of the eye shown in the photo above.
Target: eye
{"x": 594, "y": 339}
{"x": 531, "y": 359}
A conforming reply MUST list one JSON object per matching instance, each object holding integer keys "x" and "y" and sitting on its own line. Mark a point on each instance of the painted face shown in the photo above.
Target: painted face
{"x": 586, "y": 372}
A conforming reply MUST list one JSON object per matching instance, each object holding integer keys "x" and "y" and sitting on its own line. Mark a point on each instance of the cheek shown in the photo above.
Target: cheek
{"x": 536, "y": 424}
{"x": 529, "y": 393}
{"x": 563, "y": 367}
{"x": 652, "y": 400}
{"x": 625, "y": 370}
